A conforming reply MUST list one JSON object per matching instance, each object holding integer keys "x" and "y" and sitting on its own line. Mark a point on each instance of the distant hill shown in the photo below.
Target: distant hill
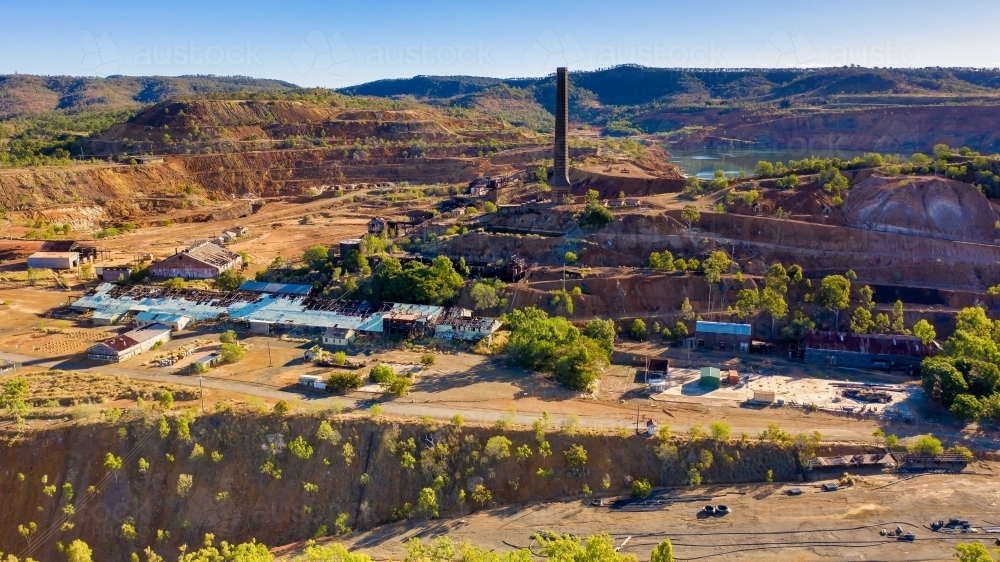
{"x": 24, "y": 95}
{"x": 635, "y": 85}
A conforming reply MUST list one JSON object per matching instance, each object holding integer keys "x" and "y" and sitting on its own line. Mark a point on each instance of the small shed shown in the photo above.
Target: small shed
{"x": 763, "y": 397}
{"x": 115, "y": 274}
{"x": 711, "y": 377}
{"x": 54, "y": 260}
{"x": 733, "y": 377}
{"x": 339, "y": 337}
{"x": 207, "y": 361}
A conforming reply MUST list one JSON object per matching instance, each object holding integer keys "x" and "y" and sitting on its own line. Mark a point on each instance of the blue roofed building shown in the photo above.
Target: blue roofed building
{"x": 722, "y": 336}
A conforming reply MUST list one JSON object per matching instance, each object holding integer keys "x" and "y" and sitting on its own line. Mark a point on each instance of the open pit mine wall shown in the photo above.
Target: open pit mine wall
{"x": 877, "y": 257}
{"x": 274, "y": 510}
{"x": 131, "y": 191}
{"x": 891, "y": 130}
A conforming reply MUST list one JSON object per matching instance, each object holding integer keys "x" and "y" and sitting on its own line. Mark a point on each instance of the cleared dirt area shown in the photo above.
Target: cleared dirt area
{"x": 765, "y": 524}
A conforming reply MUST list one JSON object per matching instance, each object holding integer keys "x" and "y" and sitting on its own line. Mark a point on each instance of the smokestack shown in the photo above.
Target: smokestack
{"x": 560, "y": 155}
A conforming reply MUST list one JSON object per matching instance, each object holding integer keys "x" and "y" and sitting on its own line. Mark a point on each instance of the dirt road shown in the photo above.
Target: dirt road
{"x": 765, "y": 523}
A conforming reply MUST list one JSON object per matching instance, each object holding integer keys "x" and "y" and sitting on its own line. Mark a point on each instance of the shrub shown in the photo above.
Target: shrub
{"x": 184, "y": 484}
{"x": 576, "y": 455}
{"x": 339, "y": 358}
{"x": 926, "y": 445}
{"x": 282, "y": 407}
{"x": 344, "y": 381}
{"x": 641, "y": 488}
{"x": 720, "y": 430}
{"x": 325, "y": 432}
{"x": 523, "y": 452}
{"x": 481, "y": 495}
{"x": 397, "y": 385}
{"x": 497, "y": 447}
{"x": 638, "y": 330}
{"x": 231, "y": 352}
{"x": 300, "y": 448}
{"x": 427, "y": 504}
{"x": 166, "y": 399}
{"x": 427, "y": 359}
{"x": 229, "y": 336}
{"x": 381, "y": 373}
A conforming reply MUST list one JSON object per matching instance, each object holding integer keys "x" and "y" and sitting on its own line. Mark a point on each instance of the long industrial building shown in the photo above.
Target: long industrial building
{"x": 267, "y": 312}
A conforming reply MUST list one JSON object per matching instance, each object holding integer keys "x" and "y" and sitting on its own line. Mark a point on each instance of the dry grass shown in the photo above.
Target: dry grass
{"x": 51, "y": 388}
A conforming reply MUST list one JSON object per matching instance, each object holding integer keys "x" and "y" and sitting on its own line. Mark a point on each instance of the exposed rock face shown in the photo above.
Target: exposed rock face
{"x": 933, "y": 207}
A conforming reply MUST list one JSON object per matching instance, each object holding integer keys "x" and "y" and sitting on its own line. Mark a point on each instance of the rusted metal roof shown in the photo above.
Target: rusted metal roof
{"x": 873, "y": 344}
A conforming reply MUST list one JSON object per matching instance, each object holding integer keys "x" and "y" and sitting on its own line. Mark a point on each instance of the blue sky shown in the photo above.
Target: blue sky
{"x": 335, "y": 44}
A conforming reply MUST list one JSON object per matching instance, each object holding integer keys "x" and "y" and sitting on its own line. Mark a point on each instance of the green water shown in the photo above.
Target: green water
{"x": 704, "y": 162}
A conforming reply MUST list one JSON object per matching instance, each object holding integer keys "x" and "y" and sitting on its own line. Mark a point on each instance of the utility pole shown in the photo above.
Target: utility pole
{"x": 637, "y": 418}
{"x": 201, "y": 388}
{"x": 269, "y": 364}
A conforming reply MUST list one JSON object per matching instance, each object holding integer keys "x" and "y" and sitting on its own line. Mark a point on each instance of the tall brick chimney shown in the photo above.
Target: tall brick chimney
{"x": 560, "y": 179}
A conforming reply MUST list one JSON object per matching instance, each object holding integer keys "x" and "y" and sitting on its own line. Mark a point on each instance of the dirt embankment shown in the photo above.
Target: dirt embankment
{"x": 887, "y": 130}
{"x": 932, "y": 207}
{"x": 239, "y": 496}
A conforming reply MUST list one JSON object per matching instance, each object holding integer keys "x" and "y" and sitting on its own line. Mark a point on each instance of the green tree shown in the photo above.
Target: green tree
{"x": 763, "y": 169}
{"x": 229, "y": 280}
{"x": 866, "y": 294}
{"x": 381, "y": 373}
{"x": 966, "y": 407}
{"x": 592, "y": 196}
{"x": 662, "y": 261}
{"x": 690, "y": 215}
{"x": 356, "y": 262}
{"x": 487, "y": 294}
{"x": 78, "y": 551}
{"x": 603, "y": 332}
{"x": 344, "y": 381}
{"x": 427, "y": 504}
{"x": 13, "y": 397}
{"x": 720, "y": 431}
{"x": 576, "y": 455}
{"x": 687, "y": 311}
{"x": 641, "y": 488}
{"x": 398, "y": 385}
{"x": 489, "y": 207}
{"x": 638, "y": 330}
{"x": 898, "y": 327}
{"x": 972, "y": 552}
{"x": 861, "y": 321}
{"x": 229, "y": 336}
{"x": 680, "y": 330}
{"x": 926, "y": 445}
{"x": 925, "y": 331}
{"x": 595, "y": 216}
{"x": 317, "y": 257}
{"x": 497, "y": 447}
{"x": 664, "y": 552}
{"x": 835, "y": 294}
{"x": 716, "y": 264}
{"x": 231, "y": 352}
{"x": 300, "y": 448}
{"x": 570, "y": 257}
{"x": 112, "y": 462}
{"x": 481, "y": 495}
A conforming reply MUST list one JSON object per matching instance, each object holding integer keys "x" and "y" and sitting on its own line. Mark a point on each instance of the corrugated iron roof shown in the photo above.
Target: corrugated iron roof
{"x": 276, "y": 288}
{"x": 723, "y": 328}
{"x": 874, "y": 344}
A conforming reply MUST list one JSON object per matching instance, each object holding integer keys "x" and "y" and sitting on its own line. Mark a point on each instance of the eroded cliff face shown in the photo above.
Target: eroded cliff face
{"x": 931, "y": 207}
{"x": 818, "y": 132}
{"x": 257, "y": 488}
